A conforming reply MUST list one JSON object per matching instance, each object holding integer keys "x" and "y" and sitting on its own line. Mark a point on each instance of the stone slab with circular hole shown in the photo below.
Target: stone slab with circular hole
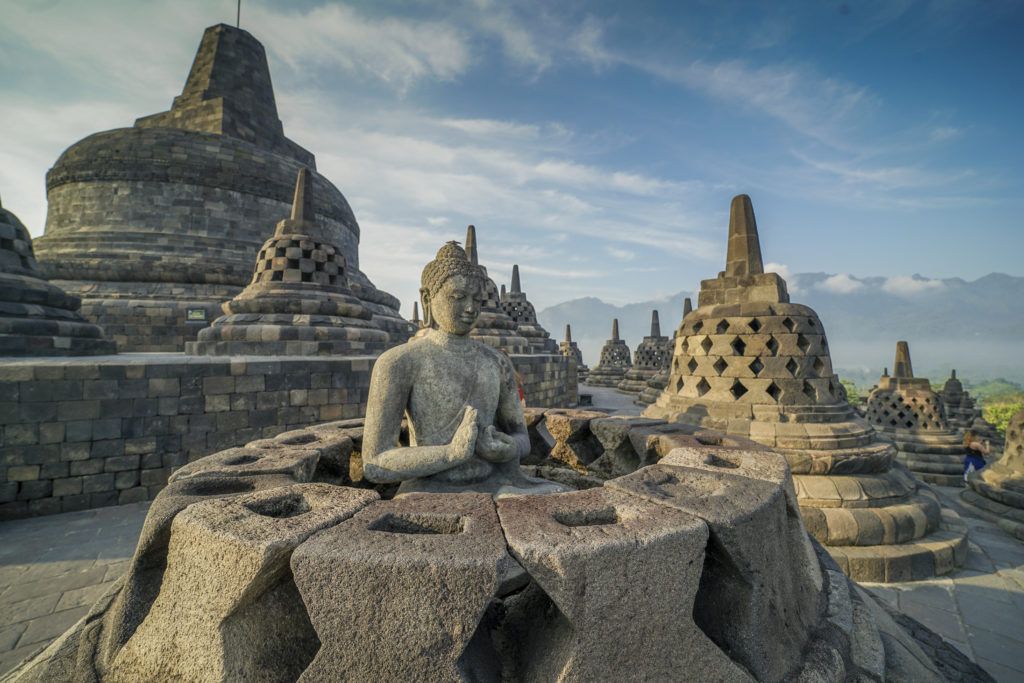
{"x": 227, "y": 571}
{"x": 397, "y": 591}
{"x": 300, "y": 464}
{"x": 773, "y": 588}
{"x": 597, "y": 554}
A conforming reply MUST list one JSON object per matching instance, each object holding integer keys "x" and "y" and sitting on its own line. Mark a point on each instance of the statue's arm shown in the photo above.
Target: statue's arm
{"x": 510, "y": 410}
{"x": 384, "y": 461}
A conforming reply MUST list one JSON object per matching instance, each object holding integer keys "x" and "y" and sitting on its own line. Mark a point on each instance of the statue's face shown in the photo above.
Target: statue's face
{"x": 456, "y": 304}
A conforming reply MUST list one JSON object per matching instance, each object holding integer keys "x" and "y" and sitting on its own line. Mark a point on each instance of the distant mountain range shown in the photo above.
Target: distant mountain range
{"x": 976, "y": 327}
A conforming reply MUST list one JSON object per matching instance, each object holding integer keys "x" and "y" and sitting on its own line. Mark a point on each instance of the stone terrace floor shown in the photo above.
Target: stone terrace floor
{"x": 52, "y": 568}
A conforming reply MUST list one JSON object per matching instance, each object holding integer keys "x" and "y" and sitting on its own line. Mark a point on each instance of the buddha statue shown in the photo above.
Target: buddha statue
{"x": 466, "y": 425}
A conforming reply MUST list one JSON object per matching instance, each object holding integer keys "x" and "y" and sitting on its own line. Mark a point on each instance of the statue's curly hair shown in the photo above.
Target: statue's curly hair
{"x": 451, "y": 260}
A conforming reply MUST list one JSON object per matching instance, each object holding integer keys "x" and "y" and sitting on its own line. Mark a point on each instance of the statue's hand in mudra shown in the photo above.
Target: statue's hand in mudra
{"x": 464, "y": 443}
{"x": 496, "y": 446}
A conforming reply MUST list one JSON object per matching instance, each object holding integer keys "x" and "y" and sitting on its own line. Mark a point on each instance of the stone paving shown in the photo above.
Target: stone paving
{"x": 980, "y": 608}
{"x": 52, "y": 568}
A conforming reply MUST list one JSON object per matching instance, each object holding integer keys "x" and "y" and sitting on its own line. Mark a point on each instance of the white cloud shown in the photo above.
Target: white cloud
{"x": 397, "y": 51}
{"x": 911, "y": 285}
{"x": 621, "y": 254}
{"x": 840, "y": 283}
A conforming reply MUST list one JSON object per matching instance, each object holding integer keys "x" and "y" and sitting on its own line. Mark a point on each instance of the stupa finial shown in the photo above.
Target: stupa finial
{"x": 952, "y": 375}
{"x": 615, "y": 329}
{"x": 416, "y": 313}
{"x": 471, "y": 245}
{"x": 568, "y": 333}
{"x": 744, "y": 252}
{"x": 687, "y": 307}
{"x": 302, "y": 203}
{"x": 655, "y": 324}
{"x": 516, "y": 287}
{"x": 902, "y": 366}
{"x": 503, "y": 291}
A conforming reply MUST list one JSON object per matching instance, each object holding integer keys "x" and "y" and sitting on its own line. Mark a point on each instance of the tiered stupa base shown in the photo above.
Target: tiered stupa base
{"x": 999, "y": 488}
{"x": 498, "y": 331}
{"x": 1000, "y": 493}
{"x": 936, "y": 458}
{"x": 38, "y": 318}
{"x": 635, "y": 380}
{"x": 655, "y": 385}
{"x": 603, "y": 376}
{"x": 876, "y": 520}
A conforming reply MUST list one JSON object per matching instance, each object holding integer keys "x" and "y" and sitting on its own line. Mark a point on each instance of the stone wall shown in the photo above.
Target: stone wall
{"x": 90, "y": 432}
{"x": 85, "y": 433}
{"x": 548, "y": 381}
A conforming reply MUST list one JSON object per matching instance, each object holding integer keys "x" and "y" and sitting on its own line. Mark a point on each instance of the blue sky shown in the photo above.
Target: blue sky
{"x": 597, "y": 144}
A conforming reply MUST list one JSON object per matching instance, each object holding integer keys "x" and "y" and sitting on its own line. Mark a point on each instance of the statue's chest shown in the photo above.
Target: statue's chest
{"x": 443, "y": 387}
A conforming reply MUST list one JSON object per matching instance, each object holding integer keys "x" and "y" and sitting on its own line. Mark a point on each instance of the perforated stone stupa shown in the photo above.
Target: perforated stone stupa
{"x": 963, "y": 414}
{"x": 614, "y": 361}
{"x": 494, "y": 327}
{"x": 905, "y": 409}
{"x": 999, "y": 488}
{"x": 38, "y": 318}
{"x": 516, "y": 306}
{"x": 657, "y": 383}
{"x": 299, "y": 302}
{"x": 749, "y": 362}
{"x": 653, "y": 354}
{"x": 570, "y": 349}
{"x": 155, "y": 226}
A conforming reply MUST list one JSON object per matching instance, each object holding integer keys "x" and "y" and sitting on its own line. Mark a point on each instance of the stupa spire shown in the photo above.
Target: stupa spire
{"x": 744, "y": 252}
{"x": 687, "y": 307}
{"x": 302, "y": 204}
{"x": 516, "y": 287}
{"x": 302, "y": 219}
{"x": 615, "y": 329}
{"x": 952, "y": 375}
{"x": 655, "y": 324}
{"x": 416, "y": 313}
{"x": 902, "y": 366}
{"x": 568, "y": 332}
{"x": 471, "y": 245}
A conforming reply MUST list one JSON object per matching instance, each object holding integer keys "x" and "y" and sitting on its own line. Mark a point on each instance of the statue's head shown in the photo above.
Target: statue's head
{"x": 450, "y": 291}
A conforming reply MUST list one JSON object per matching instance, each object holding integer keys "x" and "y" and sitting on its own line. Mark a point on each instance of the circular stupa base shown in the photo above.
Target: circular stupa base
{"x": 277, "y": 561}
{"x": 606, "y": 377}
{"x": 1009, "y": 519}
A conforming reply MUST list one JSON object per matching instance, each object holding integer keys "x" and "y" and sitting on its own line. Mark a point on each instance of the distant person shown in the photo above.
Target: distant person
{"x": 974, "y": 453}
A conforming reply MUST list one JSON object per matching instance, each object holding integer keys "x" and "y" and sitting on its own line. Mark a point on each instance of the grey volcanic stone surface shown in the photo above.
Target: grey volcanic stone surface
{"x": 999, "y": 488}
{"x": 429, "y": 565}
{"x": 36, "y": 317}
{"x": 750, "y": 362}
{"x": 905, "y": 409}
{"x": 259, "y": 577}
{"x": 299, "y": 302}
{"x": 146, "y": 223}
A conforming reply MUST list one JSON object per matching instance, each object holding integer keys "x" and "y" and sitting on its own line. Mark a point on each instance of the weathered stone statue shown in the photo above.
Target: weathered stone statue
{"x": 466, "y": 425}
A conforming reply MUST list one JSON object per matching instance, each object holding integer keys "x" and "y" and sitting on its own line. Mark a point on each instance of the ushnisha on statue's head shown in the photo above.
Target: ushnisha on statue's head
{"x": 450, "y": 291}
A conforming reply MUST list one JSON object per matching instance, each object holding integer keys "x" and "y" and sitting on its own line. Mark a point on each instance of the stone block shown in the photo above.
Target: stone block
{"x": 67, "y": 487}
{"x": 97, "y": 483}
{"x": 23, "y": 473}
{"x": 618, "y": 546}
{"x": 227, "y": 607}
{"x": 163, "y": 387}
{"x": 300, "y": 464}
{"x": 767, "y": 588}
{"x": 441, "y": 558}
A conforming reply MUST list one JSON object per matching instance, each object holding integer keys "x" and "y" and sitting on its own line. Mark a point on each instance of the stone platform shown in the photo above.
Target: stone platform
{"x": 53, "y": 568}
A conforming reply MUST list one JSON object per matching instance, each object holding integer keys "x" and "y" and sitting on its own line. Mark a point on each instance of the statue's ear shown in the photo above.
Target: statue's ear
{"x": 428, "y": 319}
